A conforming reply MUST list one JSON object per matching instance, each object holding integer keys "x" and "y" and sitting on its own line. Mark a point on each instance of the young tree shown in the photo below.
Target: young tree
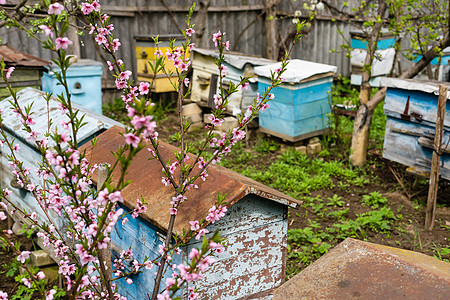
{"x": 424, "y": 22}
{"x": 91, "y": 213}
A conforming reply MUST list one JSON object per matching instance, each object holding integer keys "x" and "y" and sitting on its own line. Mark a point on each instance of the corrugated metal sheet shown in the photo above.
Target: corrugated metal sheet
{"x": 13, "y": 57}
{"x": 146, "y": 181}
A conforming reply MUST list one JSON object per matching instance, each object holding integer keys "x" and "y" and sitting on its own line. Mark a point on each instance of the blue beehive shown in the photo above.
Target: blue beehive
{"x": 411, "y": 109}
{"x": 255, "y": 226}
{"x": 301, "y": 103}
{"x": 29, "y": 153}
{"x": 380, "y": 66}
{"x": 84, "y": 80}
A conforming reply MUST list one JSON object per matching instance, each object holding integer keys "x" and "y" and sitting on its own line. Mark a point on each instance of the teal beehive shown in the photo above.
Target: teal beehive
{"x": 301, "y": 103}
{"x": 84, "y": 79}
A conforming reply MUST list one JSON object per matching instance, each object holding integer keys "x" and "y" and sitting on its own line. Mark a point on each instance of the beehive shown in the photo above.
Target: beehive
{"x": 145, "y": 53}
{"x": 255, "y": 226}
{"x": 29, "y": 152}
{"x": 411, "y": 109}
{"x": 28, "y": 70}
{"x": 381, "y": 66}
{"x": 205, "y": 78}
{"x": 301, "y": 103}
{"x": 84, "y": 79}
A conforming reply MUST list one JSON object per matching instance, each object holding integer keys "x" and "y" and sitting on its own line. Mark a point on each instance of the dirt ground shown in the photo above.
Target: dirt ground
{"x": 407, "y": 233}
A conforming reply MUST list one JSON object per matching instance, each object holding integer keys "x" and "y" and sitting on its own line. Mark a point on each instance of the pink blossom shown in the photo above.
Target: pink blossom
{"x": 144, "y": 88}
{"x": 26, "y": 282}
{"x": 194, "y": 225}
{"x": 115, "y": 45}
{"x": 129, "y": 281}
{"x": 3, "y": 295}
{"x": 158, "y": 53}
{"x": 63, "y": 43}
{"x": 217, "y": 36}
{"x": 47, "y": 30}
{"x": 55, "y": 9}
{"x": 186, "y": 82}
{"x": 50, "y": 294}
{"x": 201, "y": 233}
{"x": 173, "y": 211}
{"x": 86, "y": 8}
{"x": 245, "y": 85}
{"x": 23, "y": 256}
{"x": 40, "y": 275}
{"x": 2, "y": 216}
{"x": 125, "y": 75}
{"x": 215, "y": 121}
{"x": 190, "y": 31}
{"x": 9, "y": 72}
{"x": 110, "y": 65}
{"x": 132, "y": 140}
{"x": 264, "y": 107}
{"x": 191, "y": 46}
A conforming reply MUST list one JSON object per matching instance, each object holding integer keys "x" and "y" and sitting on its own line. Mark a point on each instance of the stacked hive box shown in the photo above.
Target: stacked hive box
{"x": 411, "y": 109}
{"x": 301, "y": 103}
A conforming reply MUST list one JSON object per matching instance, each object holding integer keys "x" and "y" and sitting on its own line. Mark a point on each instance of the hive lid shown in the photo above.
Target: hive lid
{"x": 16, "y": 58}
{"x": 426, "y": 86}
{"x": 237, "y": 60}
{"x": 297, "y": 70}
{"x": 146, "y": 181}
{"x": 29, "y": 96}
{"x": 361, "y": 270}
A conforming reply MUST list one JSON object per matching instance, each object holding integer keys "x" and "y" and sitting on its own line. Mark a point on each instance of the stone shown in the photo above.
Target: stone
{"x": 285, "y": 148}
{"x": 192, "y": 112}
{"x": 312, "y": 149}
{"x": 229, "y": 123}
{"x": 195, "y": 126}
{"x": 41, "y": 258}
{"x": 206, "y": 119}
{"x": 51, "y": 273}
{"x": 16, "y": 228}
{"x": 191, "y": 109}
{"x": 314, "y": 140}
{"x": 301, "y": 149}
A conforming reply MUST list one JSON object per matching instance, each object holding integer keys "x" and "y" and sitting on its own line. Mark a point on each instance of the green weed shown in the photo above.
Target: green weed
{"x": 375, "y": 200}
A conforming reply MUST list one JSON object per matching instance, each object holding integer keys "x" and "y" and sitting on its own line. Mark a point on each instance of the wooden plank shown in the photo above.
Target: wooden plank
{"x": 434, "y": 174}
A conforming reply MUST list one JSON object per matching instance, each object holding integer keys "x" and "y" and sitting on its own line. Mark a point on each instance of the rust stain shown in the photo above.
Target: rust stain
{"x": 14, "y": 57}
{"x": 146, "y": 181}
{"x": 361, "y": 270}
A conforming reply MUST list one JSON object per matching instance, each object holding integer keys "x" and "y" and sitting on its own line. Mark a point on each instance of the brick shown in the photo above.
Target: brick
{"x": 314, "y": 140}
{"x": 41, "y": 258}
{"x": 51, "y": 273}
{"x": 312, "y": 149}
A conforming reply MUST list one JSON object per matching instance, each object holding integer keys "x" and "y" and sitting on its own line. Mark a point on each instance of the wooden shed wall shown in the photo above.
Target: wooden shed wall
{"x": 142, "y": 17}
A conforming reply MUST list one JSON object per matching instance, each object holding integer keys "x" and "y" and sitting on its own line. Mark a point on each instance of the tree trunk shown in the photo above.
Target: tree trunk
{"x": 363, "y": 119}
{"x": 270, "y": 26}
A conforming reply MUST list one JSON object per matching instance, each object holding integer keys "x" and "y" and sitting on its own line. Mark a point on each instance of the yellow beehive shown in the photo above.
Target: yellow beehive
{"x": 145, "y": 54}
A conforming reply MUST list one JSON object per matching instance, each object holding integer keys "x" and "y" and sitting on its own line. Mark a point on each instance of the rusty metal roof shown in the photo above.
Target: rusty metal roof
{"x": 146, "y": 181}
{"x": 361, "y": 270}
{"x": 16, "y": 58}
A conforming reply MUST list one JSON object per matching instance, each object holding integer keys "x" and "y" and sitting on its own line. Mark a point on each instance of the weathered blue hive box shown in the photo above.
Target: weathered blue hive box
{"x": 205, "y": 78}
{"x": 255, "y": 226}
{"x": 411, "y": 109}
{"x": 84, "y": 79}
{"x": 381, "y": 66}
{"x": 301, "y": 103}
{"x": 29, "y": 153}
{"x": 444, "y": 68}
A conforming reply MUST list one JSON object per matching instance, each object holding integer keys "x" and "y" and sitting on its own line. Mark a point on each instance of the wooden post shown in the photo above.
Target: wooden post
{"x": 435, "y": 161}
{"x": 271, "y": 26}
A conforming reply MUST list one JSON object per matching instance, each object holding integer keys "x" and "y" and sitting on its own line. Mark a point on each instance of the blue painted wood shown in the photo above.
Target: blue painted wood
{"x": 84, "y": 81}
{"x": 253, "y": 261}
{"x": 381, "y": 44}
{"x": 401, "y": 143}
{"x": 297, "y": 109}
{"x": 144, "y": 240}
